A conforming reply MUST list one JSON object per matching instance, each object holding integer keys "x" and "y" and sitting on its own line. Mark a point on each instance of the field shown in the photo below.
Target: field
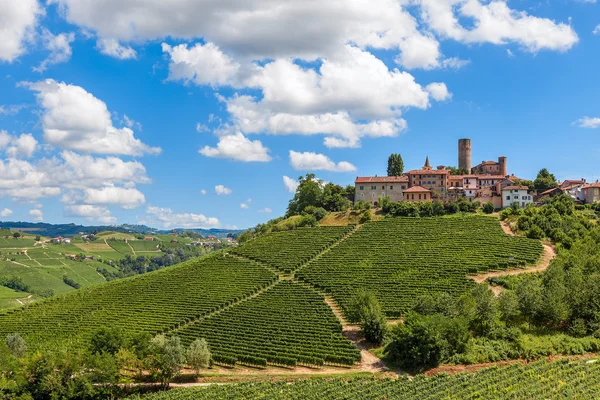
{"x": 288, "y": 250}
{"x": 287, "y": 325}
{"x": 400, "y": 258}
{"x": 540, "y": 380}
{"x": 151, "y": 302}
{"x": 12, "y": 243}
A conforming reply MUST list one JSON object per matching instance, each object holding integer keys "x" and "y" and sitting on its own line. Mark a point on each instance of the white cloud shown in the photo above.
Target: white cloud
{"x": 36, "y": 215}
{"x": 419, "y": 52}
{"x": 438, "y": 91}
{"x": 203, "y": 192}
{"x": 455, "y": 63}
{"x": 221, "y": 190}
{"x": 510, "y": 53}
{"x": 201, "y": 128}
{"x": 244, "y": 206}
{"x": 112, "y": 48}
{"x": 18, "y": 20}
{"x": 496, "y": 23}
{"x": 11, "y": 110}
{"x": 249, "y": 200}
{"x": 265, "y": 210}
{"x": 291, "y": 185}
{"x": 588, "y": 122}
{"x": 238, "y": 147}
{"x": 168, "y": 219}
{"x": 74, "y": 119}
{"x": 313, "y": 161}
{"x": 126, "y": 198}
{"x": 5, "y": 212}
{"x": 91, "y": 213}
{"x": 596, "y": 30}
{"x": 59, "y": 47}
{"x": 18, "y": 147}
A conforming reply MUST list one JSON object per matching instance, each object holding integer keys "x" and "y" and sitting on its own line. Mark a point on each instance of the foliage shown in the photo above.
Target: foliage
{"x": 71, "y": 282}
{"x": 198, "y": 355}
{"x": 314, "y": 192}
{"x": 544, "y": 180}
{"x": 317, "y": 212}
{"x": 366, "y": 310}
{"x": 365, "y": 217}
{"x": 428, "y": 209}
{"x": 16, "y": 345}
{"x": 15, "y": 283}
{"x": 488, "y": 207}
{"x": 168, "y": 357}
{"x": 395, "y": 165}
{"x": 106, "y": 340}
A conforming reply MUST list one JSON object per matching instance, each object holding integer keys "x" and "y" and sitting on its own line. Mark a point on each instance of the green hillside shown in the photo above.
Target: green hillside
{"x": 540, "y": 380}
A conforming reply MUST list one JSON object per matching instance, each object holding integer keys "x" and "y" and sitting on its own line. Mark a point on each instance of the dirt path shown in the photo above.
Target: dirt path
{"x": 127, "y": 241}
{"x": 369, "y": 362}
{"x": 22, "y": 265}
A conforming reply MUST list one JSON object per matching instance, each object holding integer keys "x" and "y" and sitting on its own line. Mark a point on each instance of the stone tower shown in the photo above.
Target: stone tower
{"x": 503, "y": 166}
{"x": 464, "y": 154}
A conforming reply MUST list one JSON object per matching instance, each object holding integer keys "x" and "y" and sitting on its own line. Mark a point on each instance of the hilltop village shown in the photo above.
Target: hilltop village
{"x": 487, "y": 182}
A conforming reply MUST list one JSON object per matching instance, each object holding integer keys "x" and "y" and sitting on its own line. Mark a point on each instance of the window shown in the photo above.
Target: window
{"x": 516, "y": 197}
{"x": 419, "y": 197}
{"x": 391, "y": 188}
{"x": 507, "y": 197}
{"x": 383, "y": 188}
{"x": 373, "y": 194}
{"x": 362, "y": 195}
{"x": 434, "y": 182}
{"x": 362, "y": 188}
{"x": 373, "y": 187}
{"x": 382, "y": 194}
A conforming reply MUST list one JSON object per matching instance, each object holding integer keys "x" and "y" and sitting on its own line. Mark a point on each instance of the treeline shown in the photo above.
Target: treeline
{"x": 172, "y": 253}
{"x": 105, "y": 369}
{"x": 430, "y": 209}
{"x": 556, "y": 312}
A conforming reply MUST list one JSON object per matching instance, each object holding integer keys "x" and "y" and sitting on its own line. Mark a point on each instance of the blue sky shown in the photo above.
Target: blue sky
{"x": 191, "y": 113}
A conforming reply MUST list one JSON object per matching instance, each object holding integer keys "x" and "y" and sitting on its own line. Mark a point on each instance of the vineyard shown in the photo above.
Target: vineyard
{"x": 540, "y": 380}
{"x": 152, "y": 302}
{"x": 288, "y": 250}
{"x": 288, "y": 325}
{"x": 400, "y": 258}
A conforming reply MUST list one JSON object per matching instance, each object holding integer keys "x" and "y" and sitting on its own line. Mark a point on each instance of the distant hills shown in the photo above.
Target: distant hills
{"x": 67, "y": 230}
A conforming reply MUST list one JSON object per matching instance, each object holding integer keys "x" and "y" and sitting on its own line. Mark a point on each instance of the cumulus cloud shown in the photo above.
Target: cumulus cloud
{"x": 203, "y": 192}
{"x": 127, "y": 198}
{"x": 221, "y": 190}
{"x": 312, "y": 161}
{"x": 265, "y": 210}
{"x": 244, "y": 206}
{"x": 438, "y": 91}
{"x": 596, "y": 30}
{"x": 11, "y": 109}
{"x": 494, "y": 22}
{"x": 5, "y": 212}
{"x": 22, "y": 146}
{"x": 91, "y": 213}
{"x": 74, "y": 119}
{"x": 112, "y": 48}
{"x": 588, "y": 122}
{"x": 36, "y": 215}
{"x": 291, "y": 185}
{"x": 238, "y": 147}
{"x": 168, "y": 219}
{"x": 18, "y": 21}
{"x": 59, "y": 47}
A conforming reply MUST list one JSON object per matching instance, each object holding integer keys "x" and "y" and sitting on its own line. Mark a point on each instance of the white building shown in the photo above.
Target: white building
{"x": 370, "y": 188}
{"x": 516, "y": 194}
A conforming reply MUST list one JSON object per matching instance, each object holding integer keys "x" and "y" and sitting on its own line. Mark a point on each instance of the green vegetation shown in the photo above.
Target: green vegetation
{"x": 287, "y": 325}
{"x": 395, "y": 165}
{"x": 288, "y": 250}
{"x": 400, "y": 258}
{"x": 147, "y": 303}
{"x": 540, "y": 380}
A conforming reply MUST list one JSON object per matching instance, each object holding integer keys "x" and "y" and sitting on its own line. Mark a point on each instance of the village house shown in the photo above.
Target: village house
{"x": 417, "y": 194}
{"x": 370, "y": 188}
{"x": 591, "y": 192}
{"x": 516, "y": 194}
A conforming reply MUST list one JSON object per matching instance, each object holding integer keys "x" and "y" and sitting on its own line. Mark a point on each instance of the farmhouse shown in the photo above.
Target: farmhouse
{"x": 370, "y": 188}
{"x": 591, "y": 192}
{"x": 516, "y": 194}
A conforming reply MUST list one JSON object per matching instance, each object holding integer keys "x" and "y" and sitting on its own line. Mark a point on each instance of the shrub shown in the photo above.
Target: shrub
{"x": 365, "y": 216}
{"x": 535, "y": 233}
{"x": 318, "y": 212}
{"x": 488, "y": 207}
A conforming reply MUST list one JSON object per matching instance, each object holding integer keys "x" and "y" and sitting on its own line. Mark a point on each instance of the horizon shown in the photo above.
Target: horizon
{"x": 196, "y": 125}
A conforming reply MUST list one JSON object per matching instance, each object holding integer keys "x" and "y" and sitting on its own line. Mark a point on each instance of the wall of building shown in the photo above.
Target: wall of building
{"x": 521, "y": 197}
{"x": 371, "y": 191}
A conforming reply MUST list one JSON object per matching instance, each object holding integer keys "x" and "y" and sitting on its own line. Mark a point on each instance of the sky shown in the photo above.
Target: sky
{"x": 204, "y": 113}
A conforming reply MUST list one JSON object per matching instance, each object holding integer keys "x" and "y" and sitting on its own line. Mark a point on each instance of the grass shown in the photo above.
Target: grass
{"x": 115, "y": 235}
{"x": 12, "y": 243}
{"x": 344, "y": 218}
{"x": 144, "y": 245}
{"x": 38, "y": 278}
{"x": 120, "y": 246}
{"x": 8, "y": 297}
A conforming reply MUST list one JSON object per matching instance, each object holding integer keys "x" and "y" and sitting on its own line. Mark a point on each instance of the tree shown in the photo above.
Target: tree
{"x": 488, "y": 207}
{"x": 395, "y": 165}
{"x": 530, "y": 298}
{"x": 16, "y": 345}
{"x": 545, "y": 180}
{"x": 198, "y": 355}
{"x": 367, "y": 311}
{"x": 309, "y": 193}
{"x": 457, "y": 171}
{"x": 38, "y": 238}
{"x": 168, "y": 357}
{"x": 107, "y": 340}
{"x": 17, "y": 235}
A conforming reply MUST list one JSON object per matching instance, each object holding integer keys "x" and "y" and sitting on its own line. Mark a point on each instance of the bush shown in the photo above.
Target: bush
{"x": 367, "y": 311}
{"x": 365, "y": 216}
{"x": 318, "y": 212}
{"x": 535, "y": 233}
{"x": 488, "y": 207}
{"x": 307, "y": 220}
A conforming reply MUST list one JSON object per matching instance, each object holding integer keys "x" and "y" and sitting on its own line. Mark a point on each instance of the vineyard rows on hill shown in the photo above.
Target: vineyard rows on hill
{"x": 152, "y": 302}
{"x": 401, "y": 258}
{"x": 540, "y": 380}
{"x": 287, "y": 325}
{"x": 288, "y": 250}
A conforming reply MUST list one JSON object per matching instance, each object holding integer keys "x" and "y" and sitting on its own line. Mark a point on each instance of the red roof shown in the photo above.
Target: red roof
{"x": 380, "y": 179}
{"x": 417, "y": 189}
{"x": 516, "y": 188}
{"x": 428, "y": 172}
{"x": 592, "y": 185}
{"x": 550, "y": 191}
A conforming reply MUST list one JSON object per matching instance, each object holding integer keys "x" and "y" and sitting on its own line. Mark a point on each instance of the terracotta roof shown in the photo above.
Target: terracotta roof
{"x": 381, "y": 179}
{"x": 491, "y": 177}
{"x": 417, "y": 189}
{"x": 550, "y": 191}
{"x": 516, "y": 188}
{"x": 514, "y": 178}
{"x": 572, "y": 186}
{"x": 428, "y": 172}
{"x": 571, "y": 182}
{"x": 592, "y": 185}
{"x": 487, "y": 163}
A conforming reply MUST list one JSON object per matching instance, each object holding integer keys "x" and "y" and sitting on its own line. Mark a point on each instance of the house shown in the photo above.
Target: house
{"x": 57, "y": 239}
{"x": 212, "y": 237}
{"x": 149, "y": 238}
{"x": 67, "y": 241}
{"x": 591, "y": 192}
{"x": 435, "y": 180}
{"x": 417, "y": 194}
{"x": 516, "y": 194}
{"x": 571, "y": 182}
{"x": 370, "y": 188}
{"x": 491, "y": 167}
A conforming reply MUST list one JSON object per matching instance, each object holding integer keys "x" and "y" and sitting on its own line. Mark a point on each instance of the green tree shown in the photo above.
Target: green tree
{"x": 309, "y": 193}
{"x": 16, "y": 345}
{"x": 367, "y": 311}
{"x": 395, "y": 166}
{"x": 17, "y": 235}
{"x": 167, "y": 359}
{"x": 545, "y": 180}
{"x": 530, "y": 298}
{"x": 107, "y": 340}
{"x": 488, "y": 207}
{"x": 198, "y": 355}
{"x": 508, "y": 304}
